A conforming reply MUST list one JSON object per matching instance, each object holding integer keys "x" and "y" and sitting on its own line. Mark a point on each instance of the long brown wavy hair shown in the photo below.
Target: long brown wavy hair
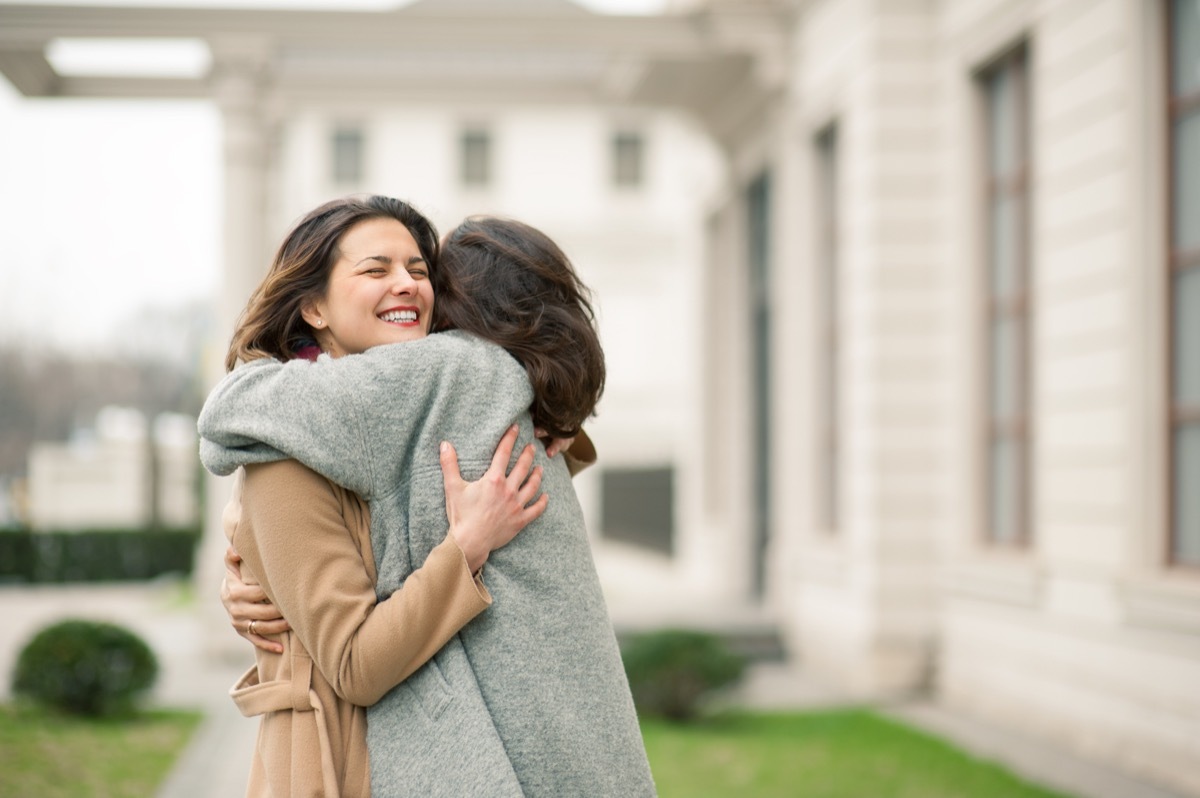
{"x": 508, "y": 283}
{"x": 271, "y": 324}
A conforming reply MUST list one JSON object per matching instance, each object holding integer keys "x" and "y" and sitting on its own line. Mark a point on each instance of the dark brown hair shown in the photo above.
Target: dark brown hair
{"x": 271, "y": 324}
{"x": 507, "y": 282}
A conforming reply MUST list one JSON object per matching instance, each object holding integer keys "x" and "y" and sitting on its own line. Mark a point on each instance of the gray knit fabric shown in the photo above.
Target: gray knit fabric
{"x": 528, "y": 699}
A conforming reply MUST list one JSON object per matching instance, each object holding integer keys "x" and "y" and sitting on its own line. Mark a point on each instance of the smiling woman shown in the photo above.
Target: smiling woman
{"x": 347, "y": 264}
{"x": 379, "y": 291}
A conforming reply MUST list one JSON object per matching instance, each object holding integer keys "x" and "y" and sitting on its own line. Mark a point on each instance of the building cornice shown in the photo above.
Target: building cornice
{"x": 466, "y": 50}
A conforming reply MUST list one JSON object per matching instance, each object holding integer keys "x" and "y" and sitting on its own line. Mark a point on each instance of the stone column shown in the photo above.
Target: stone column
{"x": 239, "y": 84}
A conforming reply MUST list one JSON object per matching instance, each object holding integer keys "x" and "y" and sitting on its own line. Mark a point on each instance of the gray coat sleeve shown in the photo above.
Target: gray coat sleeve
{"x": 268, "y": 410}
{"x": 347, "y": 418}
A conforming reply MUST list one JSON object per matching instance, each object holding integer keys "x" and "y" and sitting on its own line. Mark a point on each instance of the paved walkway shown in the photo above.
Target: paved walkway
{"x": 217, "y": 760}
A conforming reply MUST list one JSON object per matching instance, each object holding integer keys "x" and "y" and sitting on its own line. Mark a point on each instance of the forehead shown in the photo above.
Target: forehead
{"x": 378, "y": 237}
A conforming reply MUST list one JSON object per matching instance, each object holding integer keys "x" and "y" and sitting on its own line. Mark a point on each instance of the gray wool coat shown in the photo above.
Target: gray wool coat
{"x": 529, "y": 699}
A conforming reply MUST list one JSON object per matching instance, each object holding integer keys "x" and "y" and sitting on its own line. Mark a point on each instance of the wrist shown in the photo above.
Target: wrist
{"x": 472, "y": 547}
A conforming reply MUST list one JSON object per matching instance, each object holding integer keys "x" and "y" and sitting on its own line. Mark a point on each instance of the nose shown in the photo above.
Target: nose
{"x": 403, "y": 283}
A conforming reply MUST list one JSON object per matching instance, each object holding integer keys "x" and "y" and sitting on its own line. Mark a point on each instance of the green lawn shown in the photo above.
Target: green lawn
{"x": 58, "y": 756}
{"x": 836, "y": 754}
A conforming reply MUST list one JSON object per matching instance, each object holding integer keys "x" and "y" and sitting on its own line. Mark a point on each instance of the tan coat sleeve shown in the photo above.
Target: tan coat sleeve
{"x": 295, "y": 537}
{"x": 581, "y": 454}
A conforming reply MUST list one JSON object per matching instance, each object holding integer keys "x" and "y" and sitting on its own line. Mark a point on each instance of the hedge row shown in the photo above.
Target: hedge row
{"x": 102, "y": 555}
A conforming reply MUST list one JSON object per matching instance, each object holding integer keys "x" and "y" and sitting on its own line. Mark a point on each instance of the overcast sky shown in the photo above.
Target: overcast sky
{"x": 108, "y": 207}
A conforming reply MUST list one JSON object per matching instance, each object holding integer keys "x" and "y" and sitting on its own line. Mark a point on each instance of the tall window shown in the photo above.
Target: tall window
{"x": 476, "y": 149}
{"x": 637, "y": 506}
{"x": 1184, "y": 279}
{"x": 758, "y": 240}
{"x": 829, "y": 451}
{"x": 627, "y": 152}
{"x": 348, "y": 150}
{"x": 1005, "y": 90}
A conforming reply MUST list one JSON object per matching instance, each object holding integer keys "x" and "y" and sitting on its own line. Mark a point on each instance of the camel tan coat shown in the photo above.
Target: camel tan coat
{"x": 307, "y": 541}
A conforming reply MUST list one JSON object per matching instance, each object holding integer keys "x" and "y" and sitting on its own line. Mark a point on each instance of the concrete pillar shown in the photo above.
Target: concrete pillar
{"x": 239, "y": 85}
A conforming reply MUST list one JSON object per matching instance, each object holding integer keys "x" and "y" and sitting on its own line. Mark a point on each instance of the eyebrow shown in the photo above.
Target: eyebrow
{"x": 385, "y": 259}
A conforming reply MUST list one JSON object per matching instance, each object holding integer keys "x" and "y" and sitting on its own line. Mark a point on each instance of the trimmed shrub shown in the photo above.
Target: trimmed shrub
{"x": 85, "y": 668}
{"x": 672, "y": 670}
{"x": 95, "y": 555}
{"x": 16, "y": 555}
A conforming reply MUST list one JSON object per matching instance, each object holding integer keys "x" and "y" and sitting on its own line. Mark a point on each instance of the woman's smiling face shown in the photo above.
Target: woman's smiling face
{"x": 378, "y": 292}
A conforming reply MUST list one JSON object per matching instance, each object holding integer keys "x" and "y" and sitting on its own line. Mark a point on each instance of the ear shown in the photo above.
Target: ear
{"x": 314, "y": 314}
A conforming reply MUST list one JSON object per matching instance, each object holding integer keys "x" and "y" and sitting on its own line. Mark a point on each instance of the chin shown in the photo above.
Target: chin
{"x": 402, "y": 336}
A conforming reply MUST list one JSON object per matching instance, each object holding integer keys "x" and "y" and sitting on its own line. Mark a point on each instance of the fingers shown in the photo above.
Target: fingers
{"x": 520, "y": 471}
{"x": 558, "y": 446}
{"x": 504, "y": 450}
{"x": 451, "y": 475}
{"x": 258, "y": 612}
{"x": 269, "y": 646}
{"x": 537, "y": 508}
{"x": 241, "y": 592}
{"x": 271, "y": 627}
{"x": 233, "y": 563}
{"x": 264, "y": 643}
{"x": 529, "y": 490}
{"x": 249, "y": 622}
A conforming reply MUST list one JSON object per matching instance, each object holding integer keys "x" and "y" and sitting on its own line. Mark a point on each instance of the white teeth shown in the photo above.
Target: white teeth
{"x": 399, "y": 315}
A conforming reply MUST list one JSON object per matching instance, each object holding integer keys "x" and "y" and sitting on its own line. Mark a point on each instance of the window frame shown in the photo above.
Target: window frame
{"x": 341, "y": 133}
{"x": 624, "y": 488}
{"x": 1017, "y": 308}
{"x": 1178, "y": 106}
{"x": 480, "y": 135}
{"x": 637, "y": 178}
{"x": 827, "y": 150}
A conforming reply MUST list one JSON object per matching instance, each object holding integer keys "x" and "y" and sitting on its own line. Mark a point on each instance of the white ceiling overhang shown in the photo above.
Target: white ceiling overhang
{"x": 526, "y": 49}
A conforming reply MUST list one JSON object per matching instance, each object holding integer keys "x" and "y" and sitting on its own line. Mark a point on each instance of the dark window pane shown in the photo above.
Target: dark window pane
{"x": 1006, "y": 370}
{"x": 1186, "y": 298}
{"x": 638, "y": 506}
{"x": 1005, "y": 188}
{"x": 758, "y": 200}
{"x": 827, "y": 221}
{"x": 1005, "y": 247}
{"x": 1185, "y": 30}
{"x": 347, "y": 155}
{"x": 1006, "y": 487}
{"x": 1002, "y": 125}
{"x": 1186, "y": 538}
{"x": 627, "y": 159}
{"x": 831, "y": 490}
{"x": 1186, "y": 179}
{"x": 476, "y": 158}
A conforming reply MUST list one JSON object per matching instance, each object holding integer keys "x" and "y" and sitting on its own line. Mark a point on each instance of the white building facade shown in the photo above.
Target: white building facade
{"x": 618, "y": 188}
{"x": 902, "y": 314}
{"x": 956, "y": 430}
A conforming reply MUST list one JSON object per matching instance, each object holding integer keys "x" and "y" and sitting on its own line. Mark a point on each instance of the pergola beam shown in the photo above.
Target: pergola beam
{"x": 571, "y": 52}
{"x": 29, "y": 71}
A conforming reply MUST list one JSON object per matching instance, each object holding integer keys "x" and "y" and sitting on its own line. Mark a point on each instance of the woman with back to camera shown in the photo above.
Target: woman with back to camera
{"x": 530, "y": 699}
